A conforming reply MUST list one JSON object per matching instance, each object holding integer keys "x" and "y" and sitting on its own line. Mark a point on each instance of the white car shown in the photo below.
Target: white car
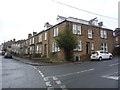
{"x": 100, "y": 55}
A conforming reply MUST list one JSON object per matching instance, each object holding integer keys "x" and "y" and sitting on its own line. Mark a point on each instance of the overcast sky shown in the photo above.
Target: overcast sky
{"x": 20, "y": 17}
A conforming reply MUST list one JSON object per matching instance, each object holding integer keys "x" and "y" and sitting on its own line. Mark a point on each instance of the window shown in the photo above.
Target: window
{"x": 37, "y": 49}
{"x": 104, "y": 46}
{"x": 45, "y": 35}
{"x": 90, "y": 34}
{"x": 74, "y": 29}
{"x": 40, "y": 49}
{"x": 116, "y": 38}
{"x": 40, "y": 38}
{"x": 79, "y": 29}
{"x": 55, "y": 32}
{"x": 103, "y": 34}
{"x": 92, "y": 46}
{"x": 54, "y": 47}
{"x": 33, "y": 40}
{"x": 79, "y": 47}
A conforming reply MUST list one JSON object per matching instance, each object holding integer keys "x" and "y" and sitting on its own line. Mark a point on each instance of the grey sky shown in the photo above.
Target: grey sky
{"x": 20, "y": 17}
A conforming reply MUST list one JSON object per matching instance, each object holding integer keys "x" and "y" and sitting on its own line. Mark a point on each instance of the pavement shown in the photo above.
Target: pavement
{"x": 37, "y": 63}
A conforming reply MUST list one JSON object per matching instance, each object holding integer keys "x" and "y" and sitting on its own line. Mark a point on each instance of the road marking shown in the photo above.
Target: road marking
{"x": 58, "y": 82}
{"x": 55, "y": 78}
{"x": 71, "y": 73}
{"x": 45, "y": 79}
{"x": 63, "y": 87}
{"x": 48, "y": 84}
{"x": 112, "y": 77}
{"x": 113, "y": 64}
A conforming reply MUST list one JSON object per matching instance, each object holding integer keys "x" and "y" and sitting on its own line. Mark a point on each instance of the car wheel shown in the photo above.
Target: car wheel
{"x": 100, "y": 58}
{"x": 110, "y": 58}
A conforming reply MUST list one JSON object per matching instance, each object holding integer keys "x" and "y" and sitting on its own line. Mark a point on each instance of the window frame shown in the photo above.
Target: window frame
{"x": 90, "y": 33}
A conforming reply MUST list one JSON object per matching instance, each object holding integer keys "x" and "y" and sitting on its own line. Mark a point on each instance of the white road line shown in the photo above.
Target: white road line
{"x": 72, "y": 73}
{"x": 113, "y": 64}
{"x": 48, "y": 84}
{"x": 63, "y": 87}
{"x": 112, "y": 77}
{"x": 45, "y": 79}
{"x": 58, "y": 82}
{"x": 35, "y": 68}
{"x": 55, "y": 78}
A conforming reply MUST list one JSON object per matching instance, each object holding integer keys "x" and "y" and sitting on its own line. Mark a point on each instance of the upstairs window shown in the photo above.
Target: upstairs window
{"x": 103, "y": 34}
{"x": 45, "y": 36}
{"x": 55, "y": 32}
{"x": 79, "y": 29}
{"x": 33, "y": 40}
{"x": 40, "y": 38}
{"x": 76, "y": 29}
{"x": 90, "y": 34}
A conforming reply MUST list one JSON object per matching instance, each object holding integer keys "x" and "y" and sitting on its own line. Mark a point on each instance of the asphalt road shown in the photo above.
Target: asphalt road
{"x": 89, "y": 74}
{"x": 19, "y": 75}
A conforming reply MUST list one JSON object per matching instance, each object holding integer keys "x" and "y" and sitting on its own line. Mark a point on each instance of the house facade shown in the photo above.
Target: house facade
{"x": 91, "y": 36}
{"x": 117, "y": 37}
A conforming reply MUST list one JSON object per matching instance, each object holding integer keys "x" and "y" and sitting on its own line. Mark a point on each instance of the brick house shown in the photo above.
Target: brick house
{"x": 117, "y": 37}
{"x": 91, "y": 36}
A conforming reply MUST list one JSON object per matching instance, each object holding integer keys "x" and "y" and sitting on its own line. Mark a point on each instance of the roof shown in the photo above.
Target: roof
{"x": 117, "y": 32}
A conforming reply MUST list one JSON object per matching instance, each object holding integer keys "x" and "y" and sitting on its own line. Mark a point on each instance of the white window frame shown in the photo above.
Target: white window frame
{"x": 90, "y": 34}
{"x": 116, "y": 38}
{"x": 104, "y": 46}
{"x": 103, "y": 34}
{"x": 79, "y": 30}
{"x": 54, "y": 47}
{"x": 33, "y": 40}
{"x": 79, "y": 46}
{"x": 40, "y": 48}
{"x": 40, "y": 38}
{"x": 37, "y": 49}
{"x": 45, "y": 36}
{"x": 74, "y": 28}
{"x": 55, "y": 31}
{"x": 92, "y": 46}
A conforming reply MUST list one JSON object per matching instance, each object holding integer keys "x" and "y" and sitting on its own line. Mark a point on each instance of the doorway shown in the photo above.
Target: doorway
{"x": 87, "y": 48}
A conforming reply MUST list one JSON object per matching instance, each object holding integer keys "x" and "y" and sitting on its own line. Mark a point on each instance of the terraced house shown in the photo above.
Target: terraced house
{"x": 91, "y": 36}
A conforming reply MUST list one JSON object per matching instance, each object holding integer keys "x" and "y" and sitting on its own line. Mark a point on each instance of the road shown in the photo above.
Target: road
{"x": 89, "y": 74}
{"x": 19, "y": 75}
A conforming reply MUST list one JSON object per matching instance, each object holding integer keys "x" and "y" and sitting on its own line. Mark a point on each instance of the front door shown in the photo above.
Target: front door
{"x": 45, "y": 50}
{"x": 87, "y": 48}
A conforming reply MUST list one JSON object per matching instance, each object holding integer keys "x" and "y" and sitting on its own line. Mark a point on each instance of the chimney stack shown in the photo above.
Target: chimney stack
{"x": 29, "y": 35}
{"x": 34, "y": 33}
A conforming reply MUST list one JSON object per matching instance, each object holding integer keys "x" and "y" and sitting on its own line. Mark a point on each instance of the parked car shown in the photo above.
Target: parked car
{"x": 100, "y": 55}
{"x": 8, "y": 55}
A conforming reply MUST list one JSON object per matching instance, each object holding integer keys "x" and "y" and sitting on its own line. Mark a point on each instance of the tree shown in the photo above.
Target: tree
{"x": 67, "y": 41}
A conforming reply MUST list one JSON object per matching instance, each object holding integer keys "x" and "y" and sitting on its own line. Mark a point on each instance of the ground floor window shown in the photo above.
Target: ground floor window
{"x": 54, "y": 47}
{"x": 104, "y": 46}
